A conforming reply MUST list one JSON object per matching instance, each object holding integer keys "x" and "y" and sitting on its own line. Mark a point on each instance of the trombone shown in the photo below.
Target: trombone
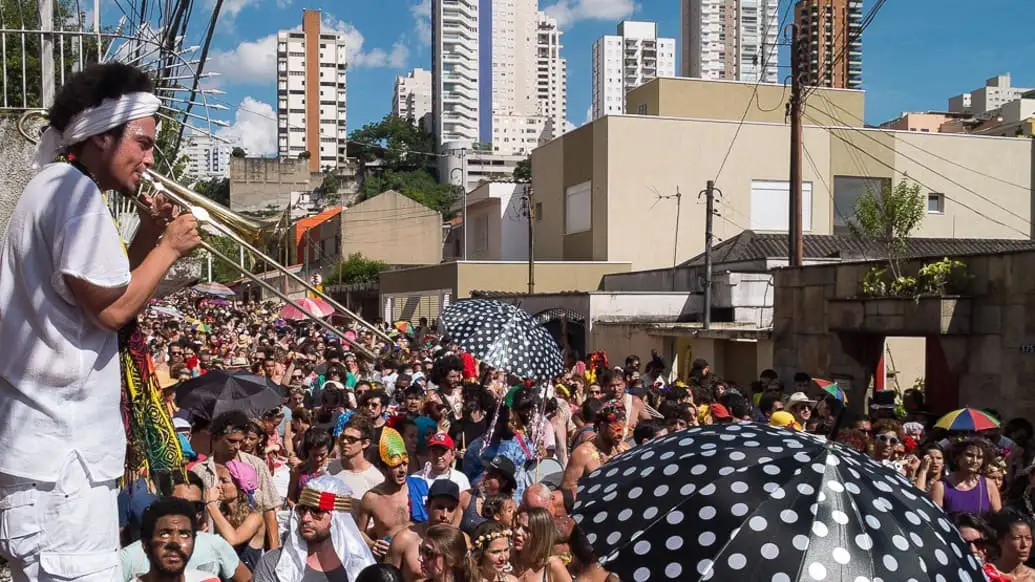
{"x": 210, "y": 213}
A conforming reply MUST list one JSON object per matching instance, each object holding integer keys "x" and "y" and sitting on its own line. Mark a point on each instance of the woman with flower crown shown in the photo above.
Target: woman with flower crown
{"x": 490, "y": 554}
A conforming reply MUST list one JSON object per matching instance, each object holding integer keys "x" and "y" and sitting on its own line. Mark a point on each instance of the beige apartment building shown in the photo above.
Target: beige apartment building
{"x": 602, "y": 186}
{"x": 393, "y": 228}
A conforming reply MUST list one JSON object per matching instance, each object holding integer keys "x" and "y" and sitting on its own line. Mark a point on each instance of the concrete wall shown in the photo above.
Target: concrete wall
{"x": 728, "y": 100}
{"x": 257, "y": 183}
{"x": 392, "y": 228}
{"x": 15, "y": 171}
{"x": 620, "y": 340}
{"x": 985, "y": 336}
{"x": 550, "y": 277}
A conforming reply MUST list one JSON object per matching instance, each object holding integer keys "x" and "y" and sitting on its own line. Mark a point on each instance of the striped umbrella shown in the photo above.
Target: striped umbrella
{"x": 832, "y": 389}
{"x": 317, "y": 307}
{"x": 967, "y": 419}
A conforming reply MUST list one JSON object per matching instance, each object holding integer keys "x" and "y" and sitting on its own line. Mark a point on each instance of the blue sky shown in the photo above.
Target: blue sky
{"x": 916, "y": 54}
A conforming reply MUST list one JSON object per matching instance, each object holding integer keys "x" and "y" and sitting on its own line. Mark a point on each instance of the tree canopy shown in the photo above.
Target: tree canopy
{"x": 215, "y": 189}
{"x": 355, "y": 269}
{"x": 889, "y": 217}
{"x": 523, "y": 171}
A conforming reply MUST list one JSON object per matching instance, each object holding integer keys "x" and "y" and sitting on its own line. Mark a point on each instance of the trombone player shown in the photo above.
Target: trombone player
{"x": 68, "y": 284}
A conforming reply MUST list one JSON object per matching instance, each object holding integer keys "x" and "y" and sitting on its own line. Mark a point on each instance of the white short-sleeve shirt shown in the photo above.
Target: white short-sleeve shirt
{"x": 59, "y": 372}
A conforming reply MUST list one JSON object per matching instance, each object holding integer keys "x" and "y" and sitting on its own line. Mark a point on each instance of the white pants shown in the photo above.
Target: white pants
{"x": 61, "y": 531}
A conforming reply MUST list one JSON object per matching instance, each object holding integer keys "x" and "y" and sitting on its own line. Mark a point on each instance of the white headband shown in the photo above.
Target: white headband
{"x": 110, "y": 114}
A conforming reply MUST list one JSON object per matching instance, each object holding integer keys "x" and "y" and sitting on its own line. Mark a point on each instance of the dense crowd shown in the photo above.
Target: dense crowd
{"x": 449, "y": 470}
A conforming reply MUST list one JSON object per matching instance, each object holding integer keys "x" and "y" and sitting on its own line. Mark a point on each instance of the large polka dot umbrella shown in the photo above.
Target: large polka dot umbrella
{"x": 505, "y": 337}
{"x": 760, "y": 503}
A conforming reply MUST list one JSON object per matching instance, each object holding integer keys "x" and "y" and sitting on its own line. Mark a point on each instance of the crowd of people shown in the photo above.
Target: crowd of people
{"x": 453, "y": 471}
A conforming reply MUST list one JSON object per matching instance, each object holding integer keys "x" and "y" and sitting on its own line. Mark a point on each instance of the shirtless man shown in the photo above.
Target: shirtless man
{"x": 385, "y": 509}
{"x": 404, "y": 553}
{"x": 616, "y": 389}
{"x": 610, "y": 427}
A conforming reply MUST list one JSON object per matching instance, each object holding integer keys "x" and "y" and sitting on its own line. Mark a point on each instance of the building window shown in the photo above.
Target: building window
{"x": 935, "y": 203}
{"x": 770, "y": 205}
{"x": 578, "y": 208}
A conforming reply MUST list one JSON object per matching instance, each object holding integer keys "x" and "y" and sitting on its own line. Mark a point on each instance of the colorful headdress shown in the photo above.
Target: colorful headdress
{"x": 483, "y": 541}
{"x": 612, "y": 411}
{"x": 325, "y": 500}
{"x": 392, "y": 448}
{"x": 597, "y": 361}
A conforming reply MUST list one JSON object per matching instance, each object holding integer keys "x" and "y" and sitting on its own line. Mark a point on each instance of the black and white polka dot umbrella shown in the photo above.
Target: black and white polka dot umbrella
{"x": 753, "y": 502}
{"x": 504, "y": 337}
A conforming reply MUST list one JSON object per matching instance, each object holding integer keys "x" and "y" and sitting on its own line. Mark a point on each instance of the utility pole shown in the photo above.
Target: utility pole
{"x": 675, "y": 242}
{"x": 795, "y": 249}
{"x": 709, "y": 193}
{"x": 46, "y": 16}
{"x": 530, "y": 202}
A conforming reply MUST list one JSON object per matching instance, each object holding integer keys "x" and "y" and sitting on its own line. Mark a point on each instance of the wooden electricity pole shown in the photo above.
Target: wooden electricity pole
{"x": 795, "y": 244}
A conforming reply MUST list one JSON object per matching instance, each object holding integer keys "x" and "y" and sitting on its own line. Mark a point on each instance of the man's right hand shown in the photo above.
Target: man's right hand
{"x": 380, "y": 548}
{"x": 181, "y": 235}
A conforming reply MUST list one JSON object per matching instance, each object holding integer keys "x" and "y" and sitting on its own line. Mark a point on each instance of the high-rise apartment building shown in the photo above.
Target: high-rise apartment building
{"x": 551, "y": 77}
{"x": 831, "y": 43}
{"x": 207, "y": 157}
{"x": 412, "y": 99}
{"x": 454, "y": 70}
{"x": 998, "y": 91}
{"x": 311, "y": 105}
{"x": 734, "y": 40}
{"x": 513, "y": 124}
{"x": 627, "y": 60}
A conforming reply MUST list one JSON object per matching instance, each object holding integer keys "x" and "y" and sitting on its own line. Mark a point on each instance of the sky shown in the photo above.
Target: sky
{"x": 916, "y": 54}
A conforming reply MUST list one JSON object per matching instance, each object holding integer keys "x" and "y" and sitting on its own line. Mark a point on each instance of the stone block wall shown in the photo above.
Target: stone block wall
{"x": 15, "y": 170}
{"x": 823, "y": 326}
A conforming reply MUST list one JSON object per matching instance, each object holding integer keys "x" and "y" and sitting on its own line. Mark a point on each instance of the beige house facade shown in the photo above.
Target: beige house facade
{"x": 393, "y": 228}
{"x": 600, "y": 185}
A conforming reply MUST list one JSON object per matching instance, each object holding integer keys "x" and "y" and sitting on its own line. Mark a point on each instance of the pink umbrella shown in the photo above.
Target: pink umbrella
{"x": 317, "y": 307}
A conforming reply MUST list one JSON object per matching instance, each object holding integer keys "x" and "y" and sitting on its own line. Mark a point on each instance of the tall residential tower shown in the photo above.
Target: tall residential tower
{"x": 412, "y": 99}
{"x": 627, "y": 60}
{"x": 311, "y": 102}
{"x": 734, "y": 40}
{"x": 454, "y": 70}
{"x": 551, "y": 77}
{"x": 829, "y": 31}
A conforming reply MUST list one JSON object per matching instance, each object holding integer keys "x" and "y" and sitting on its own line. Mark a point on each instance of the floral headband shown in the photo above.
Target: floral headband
{"x": 483, "y": 541}
{"x": 611, "y": 411}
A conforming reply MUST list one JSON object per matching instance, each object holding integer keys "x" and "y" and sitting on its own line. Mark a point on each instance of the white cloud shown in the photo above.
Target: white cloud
{"x": 254, "y": 128}
{"x": 231, "y": 8}
{"x": 589, "y": 115}
{"x": 422, "y": 21}
{"x": 255, "y": 62}
{"x": 568, "y": 12}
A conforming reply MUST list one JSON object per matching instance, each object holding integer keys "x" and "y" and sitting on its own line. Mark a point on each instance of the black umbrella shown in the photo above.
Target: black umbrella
{"x": 218, "y": 391}
{"x": 504, "y": 337}
{"x": 753, "y": 502}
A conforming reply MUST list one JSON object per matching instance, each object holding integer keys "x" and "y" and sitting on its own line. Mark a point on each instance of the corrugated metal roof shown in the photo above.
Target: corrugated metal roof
{"x": 753, "y": 246}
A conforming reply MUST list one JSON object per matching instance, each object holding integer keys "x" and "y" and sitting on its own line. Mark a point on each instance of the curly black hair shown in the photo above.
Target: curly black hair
{"x": 90, "y": 87}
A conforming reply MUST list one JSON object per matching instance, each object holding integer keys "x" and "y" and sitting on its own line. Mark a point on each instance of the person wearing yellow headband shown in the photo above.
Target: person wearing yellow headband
{"x": 784, "y": 419}
{"x": 385, "y": 508}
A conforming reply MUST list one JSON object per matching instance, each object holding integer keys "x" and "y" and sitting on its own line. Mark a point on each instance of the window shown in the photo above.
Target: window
{"x": 770, "y": 205}
{"x": 578, "y": 208}
{"x": 935, "y": 203}
{"x": 538, "y": 211}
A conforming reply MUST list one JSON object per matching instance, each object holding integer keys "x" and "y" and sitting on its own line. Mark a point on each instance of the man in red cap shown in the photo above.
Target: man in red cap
{"x": 441, "y": 456}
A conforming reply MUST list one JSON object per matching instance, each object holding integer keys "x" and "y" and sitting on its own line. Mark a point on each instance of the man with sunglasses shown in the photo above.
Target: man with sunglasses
{"x": 353, "y": 468}
{"x": 323, "y": 542}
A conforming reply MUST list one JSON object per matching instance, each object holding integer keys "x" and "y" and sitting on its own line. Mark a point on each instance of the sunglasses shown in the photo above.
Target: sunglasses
{"x": 887, "y": 439}
{"x": 301, "y": 510}
{"x": 350, "y": 440}
{"x": 978, "y": 543}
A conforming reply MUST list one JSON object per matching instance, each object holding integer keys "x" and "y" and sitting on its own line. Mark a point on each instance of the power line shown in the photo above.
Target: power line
{"x": 823, "y": 180}
{"x": 864, "y": 24}
{"x": 852, "y": 145}
{"x": 754, "y": 92}
{"x": 928, "y": 152}
{"x": 924, "y": 166}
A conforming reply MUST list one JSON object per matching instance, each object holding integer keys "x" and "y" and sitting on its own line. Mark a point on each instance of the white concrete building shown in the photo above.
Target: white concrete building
{"x": 627, "y": 60}
{"x": 731, "y": 39}
{"x": 454, "y": 70}
{"x": 311, "y": 96}
{"x": 551, "y": 77}
{"x": 412, "y": 99}
{"x": 998, "y": 91}
{"x": 207, "y": 157}
{"x": 512, "y": 58}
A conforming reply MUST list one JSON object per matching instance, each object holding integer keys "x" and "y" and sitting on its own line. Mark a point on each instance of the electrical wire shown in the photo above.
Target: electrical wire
{"x": 864, "y": 24}
{"x": 852, "y": 145}
{"x": 754, "y": 92}
{"x": 926, "y": 167}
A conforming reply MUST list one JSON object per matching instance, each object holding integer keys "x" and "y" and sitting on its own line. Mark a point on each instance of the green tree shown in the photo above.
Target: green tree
{"x": 222, "y": 271}
{"x": 523, "y": 171}
{"x": 238, "y": 152}
{"x": 888, "y": 218}
{"x": 215, "y": 189}
{"x": 355, "y": 269}
{"x": 393, "y": 142}
{"x": 418, "y": 185}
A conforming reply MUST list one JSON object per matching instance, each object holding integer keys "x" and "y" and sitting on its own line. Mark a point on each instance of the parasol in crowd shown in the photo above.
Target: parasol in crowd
{"x": 219, "y": 391}
{"x": 317, "y": 307}
{"x": 754, "y": 502}
{"x": 166, "y": 310}
{"x": 967, "y": 419}
{"x": 832, "y": 389}
{"x": 504, "y": 337}
{"x": 213, "y": 288}
{"x": 404, "y": 327}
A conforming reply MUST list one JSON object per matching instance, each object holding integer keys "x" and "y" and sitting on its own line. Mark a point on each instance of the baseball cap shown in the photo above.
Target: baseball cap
{"x": 505, "y": 467}
{"x": 720, "y": 411}
{"x": 444, "y": 488}
{"x": 441, "y": 440}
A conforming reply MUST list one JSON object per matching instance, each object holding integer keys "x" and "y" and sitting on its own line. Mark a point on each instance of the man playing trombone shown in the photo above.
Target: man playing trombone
{"x": 67, "y": 286}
